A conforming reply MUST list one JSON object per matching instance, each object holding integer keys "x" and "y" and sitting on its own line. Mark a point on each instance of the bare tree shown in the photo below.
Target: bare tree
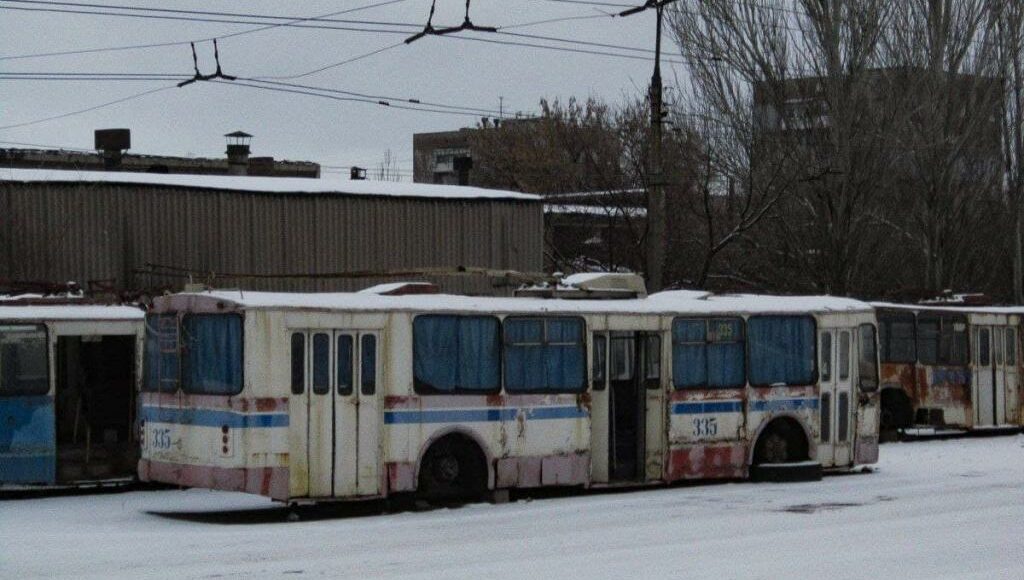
{"x": 387, "y": 169}
{"x": 940, "y": 57}
{"x": 1010, "y": 44}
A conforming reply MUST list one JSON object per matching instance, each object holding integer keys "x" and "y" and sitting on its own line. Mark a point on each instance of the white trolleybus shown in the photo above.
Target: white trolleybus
{"x": 308, "y": 397}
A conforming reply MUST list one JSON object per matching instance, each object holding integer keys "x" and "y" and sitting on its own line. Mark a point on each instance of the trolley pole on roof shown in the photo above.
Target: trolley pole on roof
{"x": 656, "y": 218}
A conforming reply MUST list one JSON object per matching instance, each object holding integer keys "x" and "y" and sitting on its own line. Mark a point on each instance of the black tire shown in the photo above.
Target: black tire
{"x": 453, "y": 470}
{"x": 897, "y": 411}
{"x": 782, "y": 441}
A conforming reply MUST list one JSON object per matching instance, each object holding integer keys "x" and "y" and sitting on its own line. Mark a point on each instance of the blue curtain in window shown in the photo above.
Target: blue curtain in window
{"x": 544, "y": 355}
{"x": 456, "y": 353}
{"x": 479, "y": 353}
{"x": 525, "y": 365}
{"x": 781, "y": 350}
{"x": 214, "y": 354}
{"x": 689, "y": 361}
{"x": 725, "y": 365}
{"x": 726, "y": 354}
{"x": 161, "y": 353}
{"x": 435, "y": 352}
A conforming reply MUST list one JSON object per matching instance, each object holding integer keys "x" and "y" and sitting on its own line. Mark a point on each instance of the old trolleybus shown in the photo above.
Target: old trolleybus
{"x": 67, "y": 393}
{"x": 950, "y": 369}
{"x": 319, "y": 396}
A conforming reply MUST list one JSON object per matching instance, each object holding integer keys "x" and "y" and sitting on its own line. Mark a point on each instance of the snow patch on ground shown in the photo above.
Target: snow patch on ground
{"x": 938, "y": 509}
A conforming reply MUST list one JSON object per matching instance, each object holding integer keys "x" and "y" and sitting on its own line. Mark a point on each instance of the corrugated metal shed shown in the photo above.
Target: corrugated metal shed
{"x": 94, "y": 226}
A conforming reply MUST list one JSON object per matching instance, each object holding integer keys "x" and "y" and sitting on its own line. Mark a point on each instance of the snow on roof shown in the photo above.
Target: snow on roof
{"x": 662, "y": 303}
{"x": 83, "y": 312}
{"x": 960, "y": 308}
{"x": 329, "y": 185}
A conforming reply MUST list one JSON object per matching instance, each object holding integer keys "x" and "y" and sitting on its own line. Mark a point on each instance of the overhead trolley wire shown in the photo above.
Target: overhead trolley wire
{"x": 184, "y": 42}
{"x": 88, "y": 109}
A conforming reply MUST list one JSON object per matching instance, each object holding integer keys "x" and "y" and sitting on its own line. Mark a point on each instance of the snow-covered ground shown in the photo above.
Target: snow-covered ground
{"x": 942, "y": 509}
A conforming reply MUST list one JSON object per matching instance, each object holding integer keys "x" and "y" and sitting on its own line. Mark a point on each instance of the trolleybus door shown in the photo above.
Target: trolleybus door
{"x": 599, "y": 407}
{"x": 983, "y": 385}
{"x": 357, "y": 415}
{"x": 844, "y": 408}
{"x": 1012, "y": 403}
{"x": 654, "y": 413}
{"x": 999, "y": 375}
{"x": 320, "y": 396}
{"x": 835, "y": 369}
{"x": 635, "y": 428}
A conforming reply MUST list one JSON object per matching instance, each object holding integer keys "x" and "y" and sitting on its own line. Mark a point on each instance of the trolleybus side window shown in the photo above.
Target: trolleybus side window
{"x": 161, "y": 364}
{"x": 826, "y": 358}
{"x": 708, "y": 353}
{"x": 868, "y": 362}
{"x": 544, "y": 355}
{"x": 896, "y": 336}
{"x": 600, "y": 362}
{"x": 212, "y": 354}
{"x": 844, "y": 355}
{"x": 942, "y": 339}
{"x": 321, "y": 363}
{"x": 24, "y": 361}
{"x": 652, "y": 360}
{"x": 984, "y": 354}
{"x": 368, "y": 365}
{"x": 1011, "y": 346}
{"x": 781, "y": 350}
{"x": 344, "y": 362}
{"x": 456, "y": 354}
{"x": 298, "y": 363}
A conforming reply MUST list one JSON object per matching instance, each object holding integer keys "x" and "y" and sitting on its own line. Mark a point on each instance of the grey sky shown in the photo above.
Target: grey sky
{"x": 192, "y": 120}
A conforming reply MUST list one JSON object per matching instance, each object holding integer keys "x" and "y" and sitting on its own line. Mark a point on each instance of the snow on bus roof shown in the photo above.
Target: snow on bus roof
{"x": 81, "y": 312}
{"x": 959, "y": 308}
{"x": 295, "y": 185}
{"x": 665, "y": 302}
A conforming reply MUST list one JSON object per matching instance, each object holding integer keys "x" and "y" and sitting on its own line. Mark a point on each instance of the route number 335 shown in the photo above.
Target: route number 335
{"x": 705, "y": 426}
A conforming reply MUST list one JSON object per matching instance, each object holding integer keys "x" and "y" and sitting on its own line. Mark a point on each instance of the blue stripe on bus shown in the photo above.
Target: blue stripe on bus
{"x": 784, "y": 405}
{"x": 212, "y": 418}
{"x": 760, "y": 406}
{"x": 699, "y": 408}
{"x": 479, "y": 415}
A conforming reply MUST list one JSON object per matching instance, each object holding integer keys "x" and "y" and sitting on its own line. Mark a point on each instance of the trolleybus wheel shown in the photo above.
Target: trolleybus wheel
{"x": 453, "y": 470}
{"x": 782, "y": 454}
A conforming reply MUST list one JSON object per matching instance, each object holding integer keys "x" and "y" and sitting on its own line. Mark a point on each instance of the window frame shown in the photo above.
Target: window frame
{"x": 544, "y": 319}
{"x": 4, "y": 394}
{"x": 814, "y": 353}
{"x": 945, "y": 319}
{"x": 707, "y": 342}
{"x": 862, "y": 383}
{"x": 421, "y": 387}
{"x": 368, "y": 381}
{"x": 1010, "y": 345}
{"x": 885, "y": 320}
{"x": 144, "y": 387}
{"x": 183, "y": 369}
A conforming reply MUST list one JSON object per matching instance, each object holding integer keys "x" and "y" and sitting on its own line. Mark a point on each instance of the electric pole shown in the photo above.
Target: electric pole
{"x": 656, "y": 218}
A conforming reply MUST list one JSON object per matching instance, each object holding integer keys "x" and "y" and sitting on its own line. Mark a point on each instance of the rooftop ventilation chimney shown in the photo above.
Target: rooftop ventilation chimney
{"x": 111, "y": 143}
{"x": 238, "y": 152}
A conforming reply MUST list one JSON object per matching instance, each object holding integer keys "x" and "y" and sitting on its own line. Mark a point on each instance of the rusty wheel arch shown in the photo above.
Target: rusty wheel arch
{"x": 460, "y": 432}
{"x": 777, "y": 419}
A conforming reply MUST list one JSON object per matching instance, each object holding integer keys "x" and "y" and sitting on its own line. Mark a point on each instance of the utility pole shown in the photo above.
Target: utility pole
{"x": 657, "y": 239}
